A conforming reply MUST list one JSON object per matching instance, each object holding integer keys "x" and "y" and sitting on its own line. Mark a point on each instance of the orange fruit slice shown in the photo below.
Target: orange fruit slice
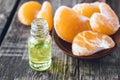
{"x": 106, "y": 21}
{"x": 86, "y": 9}
{"x": 28, "y": 11}
{"x": 68, "y": 24}
{"x": 46, "y": 13}
{"x": 88, "y": 42}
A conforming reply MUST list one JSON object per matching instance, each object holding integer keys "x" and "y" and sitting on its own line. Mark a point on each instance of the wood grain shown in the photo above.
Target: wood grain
{"x": 14, "y": 57}
{"x": 6, "y": 13}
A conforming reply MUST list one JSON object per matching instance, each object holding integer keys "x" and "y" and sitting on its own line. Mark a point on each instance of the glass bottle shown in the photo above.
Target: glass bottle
{"x": 39, "y": 45}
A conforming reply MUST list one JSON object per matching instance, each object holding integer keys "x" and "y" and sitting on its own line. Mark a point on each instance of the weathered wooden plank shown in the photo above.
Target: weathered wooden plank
{"x": 55, "y": 4}
{"x": 8, "y": 67}
{"x": 5, "y": 9}
{"x": 67, "y": 3}
{"x": 6, "y": 13}
{"x": 15, "y": 43}
{"x": 64, "y": 67}
{"x": 107, "y": 68}
{"x": 14, "y": 58}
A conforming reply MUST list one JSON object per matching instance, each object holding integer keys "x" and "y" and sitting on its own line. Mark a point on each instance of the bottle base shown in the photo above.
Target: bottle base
{"x": 40, "y": 66}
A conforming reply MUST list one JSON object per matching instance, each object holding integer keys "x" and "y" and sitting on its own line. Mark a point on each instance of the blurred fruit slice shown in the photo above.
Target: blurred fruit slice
{"x": 28, "y": 11}
{"x": 106, "y": 21}
{"x": 88, "y": 42}
{"x": 68, "y": 24}
{"x": 46, "y": 13}
{"x": 86, "y": 9}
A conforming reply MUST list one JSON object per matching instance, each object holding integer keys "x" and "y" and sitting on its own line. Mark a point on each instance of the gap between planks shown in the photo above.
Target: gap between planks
{"x": 9, "y": 20}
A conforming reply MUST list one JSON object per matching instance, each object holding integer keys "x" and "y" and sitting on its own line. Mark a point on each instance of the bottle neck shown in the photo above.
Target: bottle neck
{"x": 39, "y": 28}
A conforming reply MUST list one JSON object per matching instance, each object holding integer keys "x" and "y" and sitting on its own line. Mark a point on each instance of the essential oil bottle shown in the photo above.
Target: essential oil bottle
{"x": 39, "y": 45}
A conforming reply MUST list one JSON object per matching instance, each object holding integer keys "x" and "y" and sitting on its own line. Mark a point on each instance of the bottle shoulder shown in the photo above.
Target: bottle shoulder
{"x": 36, "y": 41}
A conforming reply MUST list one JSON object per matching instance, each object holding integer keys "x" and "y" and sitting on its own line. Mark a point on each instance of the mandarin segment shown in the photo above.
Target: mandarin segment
{"x": 88, "y": 42}
{"x": 68, "y": 24}
{"x": 46, "y": 13}
{"x": 106, "y": 21}
{"x": 28, "y": 11}
{"x": 86, "y": 9}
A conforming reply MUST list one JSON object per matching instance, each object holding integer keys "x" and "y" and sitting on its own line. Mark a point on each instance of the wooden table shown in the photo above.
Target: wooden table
{"x": 14, "y": 55}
